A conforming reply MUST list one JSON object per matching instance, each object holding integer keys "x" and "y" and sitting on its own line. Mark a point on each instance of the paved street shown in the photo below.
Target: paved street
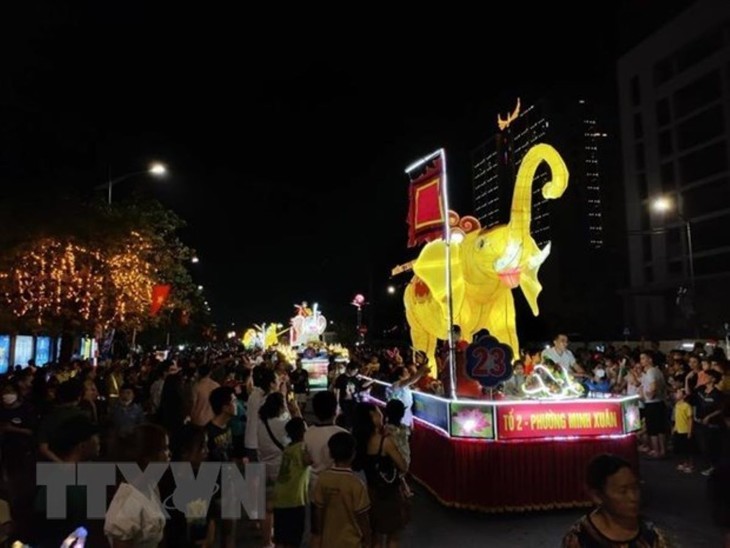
{"x": 675, "y": 502}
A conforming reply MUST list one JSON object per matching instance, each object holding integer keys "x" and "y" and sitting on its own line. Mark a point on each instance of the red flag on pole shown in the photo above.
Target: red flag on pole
{"x": 426, "y": 208}
{"x": 160, "y": 292}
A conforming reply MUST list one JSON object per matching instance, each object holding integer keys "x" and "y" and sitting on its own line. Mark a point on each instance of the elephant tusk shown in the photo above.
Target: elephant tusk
{"x": 536, "y": 260}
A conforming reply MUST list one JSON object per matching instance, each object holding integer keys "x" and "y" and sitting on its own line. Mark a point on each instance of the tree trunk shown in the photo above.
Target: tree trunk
{"x": 67, "y": 347}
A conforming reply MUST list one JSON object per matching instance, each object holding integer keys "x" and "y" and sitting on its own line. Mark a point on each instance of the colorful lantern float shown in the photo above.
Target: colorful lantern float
{"x": 473, "y": 450}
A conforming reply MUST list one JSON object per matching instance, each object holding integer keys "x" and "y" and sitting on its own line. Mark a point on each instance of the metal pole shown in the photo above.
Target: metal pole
{"x": 449, "y": 300}
{"x": 447, "y": 237}
{"x": 359, "y": 324}
{"x": 693, "y": 293}
{"x": 690, "y": 252}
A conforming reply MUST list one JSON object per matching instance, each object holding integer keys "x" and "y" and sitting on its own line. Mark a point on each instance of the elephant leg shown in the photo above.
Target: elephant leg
{"x": 500, "y": 321}
{"x": 419, "y": 338}
{"x": 431, "y": 353}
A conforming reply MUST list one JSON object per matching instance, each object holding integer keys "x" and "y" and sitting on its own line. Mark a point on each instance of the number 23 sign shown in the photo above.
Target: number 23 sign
{"x": 488, "y": 361}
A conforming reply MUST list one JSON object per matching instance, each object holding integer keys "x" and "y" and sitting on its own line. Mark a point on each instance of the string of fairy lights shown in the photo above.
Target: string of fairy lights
{"x": 55, "y": 277}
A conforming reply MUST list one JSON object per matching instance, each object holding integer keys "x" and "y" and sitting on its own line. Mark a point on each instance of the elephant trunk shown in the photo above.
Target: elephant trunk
{"x": 522, "y": 198}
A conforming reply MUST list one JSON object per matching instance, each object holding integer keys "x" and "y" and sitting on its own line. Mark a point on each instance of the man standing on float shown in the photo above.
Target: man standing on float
{"x": 560, "y": 355}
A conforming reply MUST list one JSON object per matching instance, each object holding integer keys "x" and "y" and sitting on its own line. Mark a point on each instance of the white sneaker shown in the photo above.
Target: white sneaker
{"x": 708, "y": 471}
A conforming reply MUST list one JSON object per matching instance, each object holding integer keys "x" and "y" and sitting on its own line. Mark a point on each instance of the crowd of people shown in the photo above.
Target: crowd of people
{"x": 336, "y": 464}
{"x": 684, "y": 396}
{"x": 338, "y": 481}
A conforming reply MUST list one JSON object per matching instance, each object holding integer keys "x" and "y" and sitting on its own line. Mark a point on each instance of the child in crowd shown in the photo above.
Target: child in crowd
{"x": 682, "y": 431}
{"x": 290, "y": 490}
{"x": 512, "y": 387}
{"x": 126, "y": 414}
{"x": 394, "y": 412}
{"x": 341, "y": 502}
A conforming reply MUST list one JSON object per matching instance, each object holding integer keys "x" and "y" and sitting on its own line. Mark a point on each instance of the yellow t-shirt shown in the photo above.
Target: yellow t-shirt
{"x": 292, "y": 485}
{"x": 341, "y": 496}
{"x": 682, "y": 417}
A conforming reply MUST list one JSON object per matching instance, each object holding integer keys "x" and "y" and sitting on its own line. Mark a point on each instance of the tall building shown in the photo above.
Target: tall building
{"x": 674, "y": 98}
{"x": 572, "y": 127}
{"x": 574, "y": 223}
{"x": 495, "y": 164}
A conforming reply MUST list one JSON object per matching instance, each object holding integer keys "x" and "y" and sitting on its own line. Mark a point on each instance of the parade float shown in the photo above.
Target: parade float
{"x": 305, "y": 336}
{"x": 262, "y": 337}
{"x": 471, "y": 449}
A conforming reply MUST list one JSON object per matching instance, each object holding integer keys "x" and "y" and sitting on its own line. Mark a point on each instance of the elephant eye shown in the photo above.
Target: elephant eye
{"x": 480, "y": 243}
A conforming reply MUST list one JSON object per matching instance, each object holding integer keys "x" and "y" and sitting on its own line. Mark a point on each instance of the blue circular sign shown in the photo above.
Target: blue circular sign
{"x": 488, "y": 361}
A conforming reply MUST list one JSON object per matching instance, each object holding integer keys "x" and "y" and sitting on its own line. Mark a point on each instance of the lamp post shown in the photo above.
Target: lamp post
{"x": 358, "y": 302}
{"x": 663, "y": 205}
{"x": 155, "y": 169}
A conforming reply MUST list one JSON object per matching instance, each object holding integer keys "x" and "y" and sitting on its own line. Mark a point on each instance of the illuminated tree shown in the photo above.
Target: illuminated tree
{"x": 52, "y": 279}
{"x": 94, "y": 267}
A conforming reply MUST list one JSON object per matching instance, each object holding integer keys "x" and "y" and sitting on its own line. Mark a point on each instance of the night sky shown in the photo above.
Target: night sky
{"x": 286, "y": 132}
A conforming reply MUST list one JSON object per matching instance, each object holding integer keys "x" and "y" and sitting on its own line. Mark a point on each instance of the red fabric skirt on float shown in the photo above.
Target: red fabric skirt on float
{"x": 509, "y": 476}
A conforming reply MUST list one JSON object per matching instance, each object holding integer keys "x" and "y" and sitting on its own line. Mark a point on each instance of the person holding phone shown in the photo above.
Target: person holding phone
{"x": 348, "y": 387}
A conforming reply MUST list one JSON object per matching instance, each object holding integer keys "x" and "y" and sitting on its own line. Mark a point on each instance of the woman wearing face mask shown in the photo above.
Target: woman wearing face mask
{"x": 17, "y": 424}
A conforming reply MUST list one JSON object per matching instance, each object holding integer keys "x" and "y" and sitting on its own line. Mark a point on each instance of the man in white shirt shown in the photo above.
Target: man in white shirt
{"x": 560, "y": 355}
{"x": 264, "y": 381}
{"x": 653, "y": 393}
{"x": 316, "y": 437}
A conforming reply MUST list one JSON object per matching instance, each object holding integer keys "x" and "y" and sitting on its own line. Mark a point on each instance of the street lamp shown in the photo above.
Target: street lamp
{"x": 663, "y": 204}
{"x": 358, "y": 302}
{"x": 156, "y": 169}
{"x": 159, "y": 169}
{"x": 391, "y": 290}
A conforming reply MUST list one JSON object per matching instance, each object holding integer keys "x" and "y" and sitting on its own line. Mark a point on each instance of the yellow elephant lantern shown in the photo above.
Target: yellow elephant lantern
{"x": 250, "y": 339}
{"x": 486, "y": 264}
{"x": 262, "y": 336}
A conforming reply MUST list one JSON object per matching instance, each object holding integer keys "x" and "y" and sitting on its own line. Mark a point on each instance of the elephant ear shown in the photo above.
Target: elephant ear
{"x": 430, "y": 267}
{"x": 529, "y": 283}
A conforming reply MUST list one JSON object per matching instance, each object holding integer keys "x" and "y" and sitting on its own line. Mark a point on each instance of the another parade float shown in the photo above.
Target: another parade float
{"x": 471, "y": 449}
{"x": 305, "y": 334}
{"x": 304, "y": 343}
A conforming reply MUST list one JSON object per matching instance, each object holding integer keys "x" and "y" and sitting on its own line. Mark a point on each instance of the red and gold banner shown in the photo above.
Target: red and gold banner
{"x": 426, "y": 214}
{"x": 160, "y": 292}
{"x": 540, "y": 420}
